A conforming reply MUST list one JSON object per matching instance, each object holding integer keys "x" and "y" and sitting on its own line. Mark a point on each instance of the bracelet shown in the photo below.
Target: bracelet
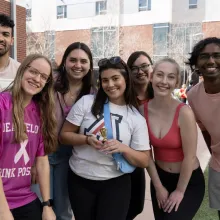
{"x": 87, "y": 139}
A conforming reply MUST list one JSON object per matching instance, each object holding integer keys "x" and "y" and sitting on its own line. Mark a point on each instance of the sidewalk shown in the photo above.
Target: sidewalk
{"x": 203, "y": 155}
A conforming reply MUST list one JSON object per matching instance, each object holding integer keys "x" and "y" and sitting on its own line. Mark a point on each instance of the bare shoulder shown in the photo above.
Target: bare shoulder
{"x": 186, "y": 114}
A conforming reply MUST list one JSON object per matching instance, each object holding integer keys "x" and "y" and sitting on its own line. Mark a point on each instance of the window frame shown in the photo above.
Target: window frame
{"x": 193, "y": 5}
{"x": 28, "y": 14}
{"x": 98, "y": 9}
{"x": 64, "y": 11}
{"x": 144, "y": 8}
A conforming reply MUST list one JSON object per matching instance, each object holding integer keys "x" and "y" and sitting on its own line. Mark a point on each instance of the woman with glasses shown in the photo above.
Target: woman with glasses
{"x": 98, "y": 189}
{"x": 140, "y": 64}
{"x": 27, "y": 135}
{"x": 73, "y": 79}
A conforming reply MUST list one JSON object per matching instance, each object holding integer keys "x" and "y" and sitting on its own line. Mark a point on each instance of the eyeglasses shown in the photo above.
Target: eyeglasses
{"x": 34, "y": 72}
{"x": 112, "y": 60}
{"x": 206, "y": 56}
{"x": 136, "y": 69}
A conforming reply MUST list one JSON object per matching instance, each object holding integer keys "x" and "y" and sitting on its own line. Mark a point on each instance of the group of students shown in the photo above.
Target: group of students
{"x": 58, "y": 113}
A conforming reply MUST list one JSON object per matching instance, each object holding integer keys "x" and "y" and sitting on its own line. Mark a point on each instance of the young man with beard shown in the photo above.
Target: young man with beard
{"x": 204, "y": 98}
{"x": 8, "y": 66}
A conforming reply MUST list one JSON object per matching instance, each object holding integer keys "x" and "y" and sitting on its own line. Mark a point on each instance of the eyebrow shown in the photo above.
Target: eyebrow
{"x": 5, "y": 32}
{"x": 111, "y": 76}
{"x": 39, "y": 71}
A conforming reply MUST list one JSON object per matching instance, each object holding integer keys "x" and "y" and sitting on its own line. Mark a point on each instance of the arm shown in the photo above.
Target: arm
{"x": 5, "y": 213}
{"x": 137, "y": 158}
{"x": 161, "y": 192}
{"x": 69, "y": 135}
{"x": 43, "y": 172}
{"x": 207, "y": 138}
{"x": 188, "y": 132}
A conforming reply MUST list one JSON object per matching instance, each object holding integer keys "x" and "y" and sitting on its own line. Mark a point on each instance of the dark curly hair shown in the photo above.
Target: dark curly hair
{"x": 6, "y": 21}
{"x": 197, "y": 49}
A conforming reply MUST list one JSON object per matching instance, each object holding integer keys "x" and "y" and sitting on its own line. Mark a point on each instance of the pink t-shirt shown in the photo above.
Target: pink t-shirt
{"x": 206, "y": 108}
{"x": 16, "y": 159}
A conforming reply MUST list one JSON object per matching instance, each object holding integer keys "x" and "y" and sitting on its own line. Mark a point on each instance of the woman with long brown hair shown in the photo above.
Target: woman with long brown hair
{"x": 27, "y": 135}
{"x": 98, "y": 188}
{"x": 73, "y": 79}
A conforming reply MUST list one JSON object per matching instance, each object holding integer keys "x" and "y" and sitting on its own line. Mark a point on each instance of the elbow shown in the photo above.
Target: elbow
{"x": 145, "y": 162}
{"x": 62, "y": 138}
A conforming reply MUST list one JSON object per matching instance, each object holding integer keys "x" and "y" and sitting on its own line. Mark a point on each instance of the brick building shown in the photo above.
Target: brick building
{"x": 5, "y": 7}
{"x": 119, "y": 27}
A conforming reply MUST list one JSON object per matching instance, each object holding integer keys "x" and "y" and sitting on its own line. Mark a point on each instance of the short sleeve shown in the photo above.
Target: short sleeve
{"x": 201, "y": 126}
{"x": 140, "y": 137}
{"x": 40, "y": 149}
{"x": 78, "y": 110}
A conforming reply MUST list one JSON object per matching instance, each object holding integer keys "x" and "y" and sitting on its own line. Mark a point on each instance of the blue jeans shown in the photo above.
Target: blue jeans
{"x": 58, "y": 188}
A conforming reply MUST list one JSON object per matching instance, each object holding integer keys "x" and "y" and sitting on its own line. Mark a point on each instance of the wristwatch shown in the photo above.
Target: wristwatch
{"x": 48, "y": 203}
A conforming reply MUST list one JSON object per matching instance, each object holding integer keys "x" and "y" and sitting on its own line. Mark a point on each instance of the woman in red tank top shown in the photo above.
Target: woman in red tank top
{"x": 177, "y": 181}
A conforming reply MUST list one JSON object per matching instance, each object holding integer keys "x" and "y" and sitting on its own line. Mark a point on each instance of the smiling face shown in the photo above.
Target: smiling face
{"x": 114, "y": 85}
{"x": 208, "y": 62}
{"x": 164, "y": 78}
{"x": 6, "y": 40}
{"x": 141, "y": 70}
{"x": 77, "y": 64}
{"x": 35, "y": 77}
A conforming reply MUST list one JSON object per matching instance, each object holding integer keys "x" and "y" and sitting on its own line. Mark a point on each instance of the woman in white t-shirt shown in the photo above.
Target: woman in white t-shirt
{"x": 97, "y": 189}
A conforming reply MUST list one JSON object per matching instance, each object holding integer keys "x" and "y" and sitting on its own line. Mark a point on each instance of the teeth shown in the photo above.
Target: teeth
{"x": 33, "y": 85}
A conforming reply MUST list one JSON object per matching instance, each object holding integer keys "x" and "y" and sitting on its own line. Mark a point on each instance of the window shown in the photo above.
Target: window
{"x": 61, "y": 11}
{"x": 192, "y": 4}
{"x": 104, "y": 43}
{"x": 144, "y": 5}
{"x": 160, "y": 40}
{"x": 28, "y": 14}
{"x": 101, "y": 7}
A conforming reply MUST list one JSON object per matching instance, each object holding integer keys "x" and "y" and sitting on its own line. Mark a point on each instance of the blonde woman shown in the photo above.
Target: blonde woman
{"x": 27, "y": 134}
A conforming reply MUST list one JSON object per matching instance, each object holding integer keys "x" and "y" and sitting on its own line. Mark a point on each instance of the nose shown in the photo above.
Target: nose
{"x": 211, "y": 60}
{"x": 110, "y": 83}
{"x": 164, "y": 80}
{"x": 37, "y": 78}
{"x": 77, "y": 64}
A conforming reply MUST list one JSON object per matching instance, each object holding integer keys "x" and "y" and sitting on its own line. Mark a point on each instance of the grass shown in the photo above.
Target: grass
{"x": 205, "y": 213}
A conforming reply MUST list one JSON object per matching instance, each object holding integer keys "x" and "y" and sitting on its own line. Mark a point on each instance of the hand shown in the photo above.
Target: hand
{"x": 6, "y": 215}
{"x": 174, "y": 199}
{"x": 114, "y": 146}
{"x": 94, "y": 142}
{"x": 34, "y": 176}
{"x": 162, "y": 195}
{"x": 48, "y": 213}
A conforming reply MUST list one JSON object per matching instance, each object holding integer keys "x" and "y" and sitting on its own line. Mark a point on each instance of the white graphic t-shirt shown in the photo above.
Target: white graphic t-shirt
{"x": 128, "y": 127}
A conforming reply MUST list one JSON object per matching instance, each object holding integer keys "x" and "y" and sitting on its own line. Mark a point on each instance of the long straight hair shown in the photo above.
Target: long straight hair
{"x": 45, "y": 100}
{"x": 62, "y": 83}
{"x": 129, "y": 95}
